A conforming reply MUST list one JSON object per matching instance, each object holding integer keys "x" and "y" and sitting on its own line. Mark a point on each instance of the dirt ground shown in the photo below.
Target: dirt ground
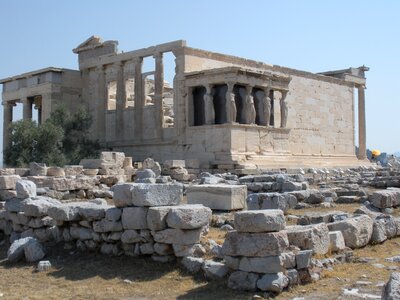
{"x": 77, "y": 275}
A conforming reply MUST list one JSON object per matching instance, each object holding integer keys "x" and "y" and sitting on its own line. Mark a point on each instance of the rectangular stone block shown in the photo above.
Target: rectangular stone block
{"x": 267, "y": 220}
{"x": 255, "y": 244}
{"x": 91, "y": 163}
{"x": 310, "y": 237}
{"x": 156, "y": 194}
{"x": 218, "y": 197}
{"x": 267, "y": 264}
{"x": 157, "y": 217}
{"x": 122, "y": 194}
{"x": 385, "y": 198}
{"x": 189, "y": 216}
{"x": 174, "y": 163}
{"x": 177, "y": 236}
{"x": 8, "y": 182}
{"x": 134, "y": 218}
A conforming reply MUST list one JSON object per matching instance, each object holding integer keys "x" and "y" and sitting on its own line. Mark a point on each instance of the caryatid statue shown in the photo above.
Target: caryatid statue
{"x": 284, "y": 109}
{"x": 250, "y": 109}
{"x": 231, "y": 104}
{"x": 209, "y": 106}
{"x": 266, "y": 101}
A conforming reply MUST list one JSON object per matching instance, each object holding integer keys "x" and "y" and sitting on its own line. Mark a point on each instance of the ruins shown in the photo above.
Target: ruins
{"x": 228, "y": 112}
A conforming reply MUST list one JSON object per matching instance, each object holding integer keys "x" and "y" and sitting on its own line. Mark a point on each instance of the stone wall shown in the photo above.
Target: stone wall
{"x": 146, "y": 219}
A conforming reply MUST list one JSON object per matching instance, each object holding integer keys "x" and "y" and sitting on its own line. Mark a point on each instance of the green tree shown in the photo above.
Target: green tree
{"x": 62, "y": 139}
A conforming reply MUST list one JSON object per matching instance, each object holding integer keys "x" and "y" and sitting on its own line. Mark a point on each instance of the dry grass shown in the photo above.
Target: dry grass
{"x": 95, "y": 276}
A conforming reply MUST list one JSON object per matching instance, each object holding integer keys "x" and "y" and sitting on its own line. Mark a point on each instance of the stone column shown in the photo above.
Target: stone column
{"x": 158, "y": 94}
{"x": 139, "y": 99}
{"x": 362, "y": 141}
{"x": 7, "y": 120}
{"x": 101, "y": 106}
{"x": 272, "y": 117}
{"x": 121, "y": 97}
{"x": 209, "y": 105}
{"x": 231, "y": 111}
{"x": 250, "y": 110}
{"x": 284, "y": 109}
{"x": 27, "y": 109}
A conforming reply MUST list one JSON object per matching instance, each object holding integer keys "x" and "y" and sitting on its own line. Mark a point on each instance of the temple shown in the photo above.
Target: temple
{"x": 228, "y": 112}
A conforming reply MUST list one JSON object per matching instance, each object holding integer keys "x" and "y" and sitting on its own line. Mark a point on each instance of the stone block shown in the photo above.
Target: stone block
{"x": 34, "y": 251}
{"x": 267, "y": 220}
{"x": 174, "y": 163}
{"x": 73, "y": 170}
{"x": 310, "y": 237}
{"x": 289, "y": 186}
{"x": 8, "y": 182}
{"x": 81, "y": 233}
{"x": 243, "y": 281}
{"x": 196, "y": 250}
{"x": 92, "y": 211}
{"x": 25, "y": 189}
{"x": 214, "y": 270}
{"x": 39, "y": 206}
{"x": 157, "y": 217}
{"x": 192, "y": 264}
{"x": 273, "y": 282}
{"x": 134, "y": 218}
{"x": 188, "y": 216}
{"x": 263, "y": 265}
{"x": 107, "y": 226}
{"x": 357, "y": 231}
{"x": 37, "y": 169}
{"x": 91, "y": 163}
{"x": 192, "y": 163}
{"x": 303, "y": 259}
{"x": 14, "y": 205}
{"x": 55, "y": 171}
{"x": 151, "y": 164}
{"x": 268, "y": 201}
{"x": 64, "y": 212}
{"x": 122, "y": 194}
{"x": 255, "y": 244}
{"x": 131, "y": 236}
{"x": 336, "y": 241}
{"x": 113, "y": 214}
{"x": 293, "y": 277}
{"x": 163, "y": 249}
{"x": 218, "y": 197}
{"x": 6, "y": 195}
{"x": 157, "y": 194}
{"x": 177, "y": 236}
{"x": 391, "y": 290}
{"x": 385, "y": 198}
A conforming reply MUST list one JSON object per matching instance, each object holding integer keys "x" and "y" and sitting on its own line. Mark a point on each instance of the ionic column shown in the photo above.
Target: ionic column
{"x": 284, "y": 109}
{"x": 7, "y": 120}
{"x": 139, "y": 99}
{"x": 101, "y": 103}
{"x": 121, "y": 98}
{"x": 158, "y": 93}
{"x": 209, "y": 105}
{"x": 231, "y": 111}
{"x": 27, "y": 109}
{"x": 362, "y": 141}
{"x": 250, "y": 110}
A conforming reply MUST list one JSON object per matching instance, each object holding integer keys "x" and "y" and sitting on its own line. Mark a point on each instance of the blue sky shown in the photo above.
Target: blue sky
{"x": 307, "y": 35}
